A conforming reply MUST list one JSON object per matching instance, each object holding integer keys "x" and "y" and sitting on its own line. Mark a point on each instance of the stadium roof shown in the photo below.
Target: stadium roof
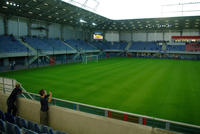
{"x": 57, "y": 11}
{"x": 135, "y": 9}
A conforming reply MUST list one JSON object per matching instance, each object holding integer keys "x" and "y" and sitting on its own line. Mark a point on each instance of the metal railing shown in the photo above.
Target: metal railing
{"x": 8, "y": 84}
{"x": 115, "y": 114}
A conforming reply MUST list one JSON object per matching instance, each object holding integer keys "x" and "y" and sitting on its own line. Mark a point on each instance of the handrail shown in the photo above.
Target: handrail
{"x": 24, "y": 91}
{"x": 127, "y": 113}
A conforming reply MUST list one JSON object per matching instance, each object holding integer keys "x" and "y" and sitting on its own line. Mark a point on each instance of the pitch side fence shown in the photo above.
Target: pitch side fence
{"x": 6, "y": 85}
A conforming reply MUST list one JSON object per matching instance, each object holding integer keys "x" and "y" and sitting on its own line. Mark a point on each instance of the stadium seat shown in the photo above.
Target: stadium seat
{"x": 36, "y": 128}
{"x": 31, "y": 125}
{"x": 176, "y": 47}
{"x": 44, "y": 129}
{"x": 10, "y": 118}
{"x": 13, "y": 125}
{"x": 2, "y": 126}
{"x": 149, "y": 46}
{"x": 51, "y": 131}
{"x": 12, "y": 128}
{"x": 57, "y": 45}
{"x": 21, "y": 122}
{"x": 12, "y": 45}
{"x": 17, "y": 129}
{"x": 2, "y": 116}
{"x": 27, "y": 131}
{"x": 80, "y": 45}
{"x": 59, "y": 132}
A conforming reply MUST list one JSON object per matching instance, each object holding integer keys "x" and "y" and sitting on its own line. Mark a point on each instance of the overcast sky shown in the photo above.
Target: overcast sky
{"x": 132, "y": 9}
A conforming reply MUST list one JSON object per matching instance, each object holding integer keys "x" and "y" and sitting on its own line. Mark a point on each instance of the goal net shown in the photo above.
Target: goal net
{"x": 88, "y": 58}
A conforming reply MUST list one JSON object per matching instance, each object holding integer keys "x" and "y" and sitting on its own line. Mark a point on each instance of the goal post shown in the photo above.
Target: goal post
{"x": 88, "y": 58}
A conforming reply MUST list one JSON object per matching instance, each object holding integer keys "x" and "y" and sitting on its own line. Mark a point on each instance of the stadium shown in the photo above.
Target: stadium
{"x": 109, "y": 73}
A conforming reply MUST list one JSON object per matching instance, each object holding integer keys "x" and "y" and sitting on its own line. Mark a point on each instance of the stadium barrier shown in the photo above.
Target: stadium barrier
{"x": 114, "y": 114}
{"x": 74, "y": 122}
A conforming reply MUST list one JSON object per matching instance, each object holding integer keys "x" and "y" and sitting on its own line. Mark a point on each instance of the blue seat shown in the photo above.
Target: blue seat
{"x": 21, "y": 122}
{"x": 17, "y": 129}
{"x": 2, "y": 116}
{"x": 44, "y": 129}
{"x": 27, "y": 131}
{"x": 12, "y": 45}
{"x": 2, "y": 126}
{"x": 36, "y": 128}
{"x": 31, "y": 125}
{"x": 51, "y": 131}
{"x": 9, "y": 128}
{"x": 10, "y": 118}
{"x": 12, "y": 128}
{"x": 59, "y": 132}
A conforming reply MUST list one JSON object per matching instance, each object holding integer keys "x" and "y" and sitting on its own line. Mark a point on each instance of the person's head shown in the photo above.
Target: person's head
{"x": 17, "y": 85}
{"x": 42, "y": 92}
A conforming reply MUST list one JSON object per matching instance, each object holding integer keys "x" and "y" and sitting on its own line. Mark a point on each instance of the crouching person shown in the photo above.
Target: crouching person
{"x": 44, "y": 100}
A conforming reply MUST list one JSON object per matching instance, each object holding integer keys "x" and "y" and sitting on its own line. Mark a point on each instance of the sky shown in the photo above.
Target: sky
{"x": 133, "y": 9}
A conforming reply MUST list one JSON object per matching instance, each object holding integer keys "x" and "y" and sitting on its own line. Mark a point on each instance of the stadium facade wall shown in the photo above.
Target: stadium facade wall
{"x": 75, "y": 122}
{"x": 168, "y": 34}
{"x": 68, "y": 33}
{"x": 112, "y": 36}
{"x": 35, "y": 32}
{"x": 125, "y": 36}
{"x": 1, "y": 26}
{"x": 149, "y": 36}
{"x": 153, "y": 36}
{"x": 20, "y": 26}
{"x": 139, "y": 36}
{"x": 191, "y": 33}
{"x": 17, "y": 26}
{"x": 54, "y": 31}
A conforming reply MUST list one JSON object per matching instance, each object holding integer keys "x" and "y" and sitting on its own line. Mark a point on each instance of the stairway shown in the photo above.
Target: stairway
{"x": 93, "y": 46}
{"x": 128, "y": 46}
{"x": 31, "y": 60}
{"x": 77, "y": 54}
{"x": 28, "y": 46}
{"x": 69, "y": 46}
{"x": 164, "y": 47}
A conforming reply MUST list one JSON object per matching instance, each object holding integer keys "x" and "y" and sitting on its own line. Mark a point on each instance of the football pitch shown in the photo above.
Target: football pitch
{"x": 167, "y": 89}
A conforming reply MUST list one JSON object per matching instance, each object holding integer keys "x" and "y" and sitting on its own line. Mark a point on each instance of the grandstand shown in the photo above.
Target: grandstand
{"x": 107, "y": 74}
{"x": 13, "y": 45}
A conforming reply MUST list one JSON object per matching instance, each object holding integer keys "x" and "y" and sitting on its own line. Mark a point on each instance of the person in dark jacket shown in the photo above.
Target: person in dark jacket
{"x": 44, "y": 100}
{"x": 12, "y": 109}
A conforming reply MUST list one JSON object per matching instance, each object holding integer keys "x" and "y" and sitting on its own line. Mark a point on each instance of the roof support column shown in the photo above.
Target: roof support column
{"x": 119, "y": 35}
{"x": 47, "y": 30}
{"x": 181, "y": 33}
{"x": 163, "y": 36}
{"x": 18, "y": 26}
{"x": 132, "y": 36}
{"x": 91, "y": 32}
{"x": 199, "y": 32}
{"x": 29, "y": 27}
{"x": 61, "y": 31}
{"x": 5, "y": 22}
{"x": 104, "y": 35}
{"x": 147, "y": 36}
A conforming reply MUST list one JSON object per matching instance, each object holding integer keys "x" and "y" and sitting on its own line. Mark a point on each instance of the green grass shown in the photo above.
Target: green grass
{"x": 168, "y": 89}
